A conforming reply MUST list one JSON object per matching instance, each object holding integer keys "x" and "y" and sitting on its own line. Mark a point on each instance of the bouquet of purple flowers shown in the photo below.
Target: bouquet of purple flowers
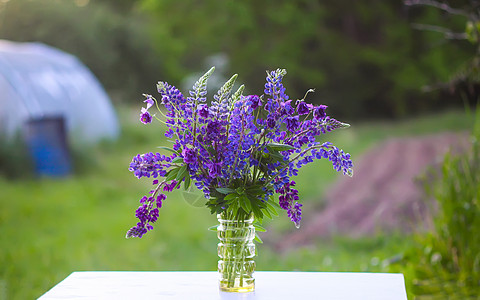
{"x": 238, "y": 150}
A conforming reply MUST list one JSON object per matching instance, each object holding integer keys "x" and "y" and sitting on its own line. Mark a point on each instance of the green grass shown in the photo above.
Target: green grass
{"x": 50, "y": 228}
{"x": 445, "y": 263}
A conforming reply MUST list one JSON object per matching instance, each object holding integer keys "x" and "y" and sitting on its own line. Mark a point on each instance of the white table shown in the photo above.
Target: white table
{"x": 204, "y": 285}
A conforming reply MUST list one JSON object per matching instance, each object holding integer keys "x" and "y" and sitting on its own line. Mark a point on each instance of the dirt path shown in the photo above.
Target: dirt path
{"x": 383, "y": 195}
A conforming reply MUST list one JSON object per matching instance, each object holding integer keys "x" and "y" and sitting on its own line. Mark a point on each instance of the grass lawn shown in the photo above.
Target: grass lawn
{"x": 52, "y": 227}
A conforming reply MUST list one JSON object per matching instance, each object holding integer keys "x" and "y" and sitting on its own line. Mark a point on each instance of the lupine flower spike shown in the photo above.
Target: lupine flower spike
{"x": 239, "y": 150}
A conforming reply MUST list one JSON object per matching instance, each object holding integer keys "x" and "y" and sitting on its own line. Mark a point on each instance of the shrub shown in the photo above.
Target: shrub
{"x": 446, "y": 262}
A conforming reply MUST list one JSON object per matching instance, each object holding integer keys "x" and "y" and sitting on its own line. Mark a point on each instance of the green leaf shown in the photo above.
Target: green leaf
{"x": 168, "y": 149}
{"x": 277, "y": 156}
{"x": 243, "y": 206}
{"x": 213, "y": 228}
{"x": 245, "y": 203}
{"x": 225, "y": 190}
{"x": 177, "y": 159}
{"x": 259, "y": 228}
{"x": 279, "y": 147}
{"x": 272, "y": 209}
{"x": 240, "y": 190}
{"x": 172, "y": 174}
{"x": 274, "y": 203}
{"x": 230, "y": 196}
{"x": 178, "y": 184}
{"x": 258, "y": 239}
{"x": 234, "y": 208}
{"x": 181, "y": 173}
{"x": 258, "y": 213}
{"x": 267, "y": 213}
{"x": 187, "y": 182}
{"x": 255, "y": 190}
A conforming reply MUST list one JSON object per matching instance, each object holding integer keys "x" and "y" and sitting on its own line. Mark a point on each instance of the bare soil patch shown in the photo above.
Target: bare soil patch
{"x": 384, "y": 195}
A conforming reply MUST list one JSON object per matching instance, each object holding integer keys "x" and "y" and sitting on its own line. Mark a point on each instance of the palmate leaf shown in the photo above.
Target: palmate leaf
{"x": 211, "y": 151}
{"x": 215, "y": 205}
{"x": 172, "y": 174}
{"x": 234, "y": 207}
{"x": 231, "y": 197}
{"x": 225, "y": 190}
{"x": 245, "y": 203}
{"x": 258, "y": 212}
{"x": 182, "y": 173}
{"x": 255, "y": 190}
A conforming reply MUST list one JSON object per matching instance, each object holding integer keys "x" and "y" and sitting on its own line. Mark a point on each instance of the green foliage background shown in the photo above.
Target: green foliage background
{"x": 445, "y": 263}
{"x": 363, "y": 58}
{"x": 112, "y": 40}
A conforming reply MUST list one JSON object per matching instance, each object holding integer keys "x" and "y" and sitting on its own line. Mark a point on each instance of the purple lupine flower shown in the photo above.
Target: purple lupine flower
{"x": 303, "y": 108}
{"x": 189, "y": 156}
{"x": 286, "y": 108}
{"x": 160, "y": 199}
{"x": 329, "y": 124}
{"x": 170, "y": 187}
{"x": 203, "y": 110}
{"x": 143, "y": 199}
{"x": 255, "y": 101}
{"x": 283, "y": 202}
{"x": 137, "y": 231}
{"x": 292, "y": 123}
{"x": 165, "y": 99}
{"x": 149, "y": 101}
{"x": 153, "y": 215}
{"x": 295, "y": 214}
{"x": 213, "y": 131}
{"x": 271, "y": 122}
{"x": 319, "y": 112}
{"x": 145, "y": 116}
{"x": 214, "y": 169}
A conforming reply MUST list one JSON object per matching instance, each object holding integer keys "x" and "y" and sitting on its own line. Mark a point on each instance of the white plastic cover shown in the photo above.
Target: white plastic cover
{"x": 40, "y": 81}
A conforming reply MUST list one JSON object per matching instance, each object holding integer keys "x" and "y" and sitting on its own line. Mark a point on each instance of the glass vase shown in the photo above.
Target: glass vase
{"x": 236, "y": 251}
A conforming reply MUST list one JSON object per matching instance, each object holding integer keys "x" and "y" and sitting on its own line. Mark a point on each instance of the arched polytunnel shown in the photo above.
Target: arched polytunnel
{"x": 40, "y": 82}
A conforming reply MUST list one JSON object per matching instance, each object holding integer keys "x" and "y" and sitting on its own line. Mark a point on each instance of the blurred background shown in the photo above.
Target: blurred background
{"x": 403, "y": 74}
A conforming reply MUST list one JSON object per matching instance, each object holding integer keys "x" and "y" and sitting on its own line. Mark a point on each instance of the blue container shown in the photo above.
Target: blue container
{"x": 47, "y": 143}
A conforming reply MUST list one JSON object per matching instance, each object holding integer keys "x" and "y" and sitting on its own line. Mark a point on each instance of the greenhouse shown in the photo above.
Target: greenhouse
{"x": 40, "y": 82}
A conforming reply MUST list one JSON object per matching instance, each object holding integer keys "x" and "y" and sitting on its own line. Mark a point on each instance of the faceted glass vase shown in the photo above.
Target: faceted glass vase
{"x": 236, "y": 251}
